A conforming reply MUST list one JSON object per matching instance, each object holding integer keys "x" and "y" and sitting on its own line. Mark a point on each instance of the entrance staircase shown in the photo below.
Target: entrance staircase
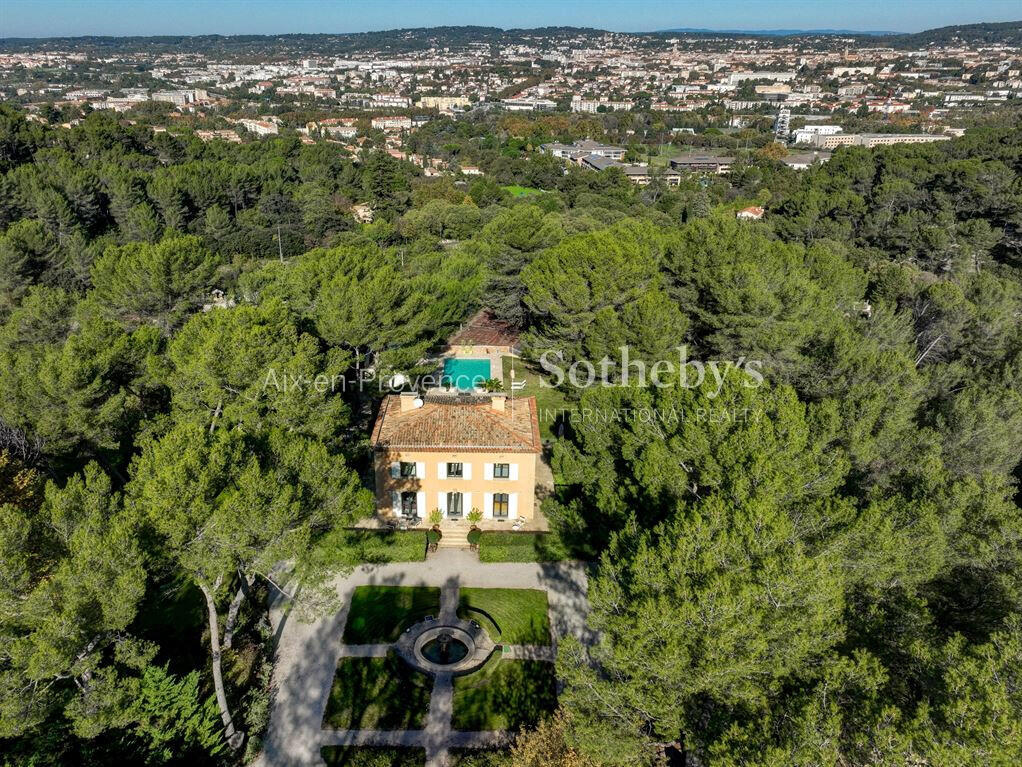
{"x": 455, "y": 535}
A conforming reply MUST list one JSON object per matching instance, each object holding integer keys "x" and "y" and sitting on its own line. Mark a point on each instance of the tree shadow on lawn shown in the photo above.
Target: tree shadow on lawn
{"x": 517, "y": 616}
{"x": 379, "y": 614}
{"x": 377, "y": 694}
{"x": 504, "y": 695}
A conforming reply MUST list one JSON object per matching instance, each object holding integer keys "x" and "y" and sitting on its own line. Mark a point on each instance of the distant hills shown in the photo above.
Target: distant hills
{"x": 1001, "y": 33}
{"x": 768, "y": 32}
{"x": 1004, "y": 33}
{"x": 403, "y": 40}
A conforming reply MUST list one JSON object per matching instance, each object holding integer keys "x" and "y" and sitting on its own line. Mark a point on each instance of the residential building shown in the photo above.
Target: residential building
{"x": 782, "y": 123}
{"x": 528, "y": 105}
{"x": 583, "y": 148}
{"x": 703, "y": 163}
{"x": 805, "y": 134}
{"x": 592, "y": 106}
{"x": 455, "y": 453}
{"x": 259, "y": 127}
{"x": 177, "y": 98}
{"x": 223, "y": 135}
{"x": 805, "y": 160}
{"x": 391, "y": 123}
{"x": 752, "y": 213}
{"x": 780, "y": 77}
{"x": 444, "y": 103}
{"x": 855, "y": 70}
{"x": 873, "y": 139}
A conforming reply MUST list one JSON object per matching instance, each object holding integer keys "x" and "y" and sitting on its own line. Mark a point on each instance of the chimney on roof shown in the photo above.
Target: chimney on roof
{"x": 410, "y": 400}
{"x": 497, "y": 401}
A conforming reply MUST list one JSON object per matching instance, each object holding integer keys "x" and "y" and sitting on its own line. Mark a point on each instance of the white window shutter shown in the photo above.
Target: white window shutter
{"x": 466, "y": 471}
{"x": 512, "y": 505}
{"x": 395, "y": 469}
{"x": 420, "y": 469}
{"x": 487, "y": 471}
{"x": 513, "y": 471}
{"x": 488, "y": 505}
{"x": 420, "y": 503}
{"x": 441, "y": 471}
{"x": 466, "y": 504}
{"x": 441, "y": 502}
{"x": 395, "y": 501}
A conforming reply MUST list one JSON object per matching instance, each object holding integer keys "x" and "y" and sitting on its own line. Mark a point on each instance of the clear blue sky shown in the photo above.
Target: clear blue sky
{"x": 43, "y": 18}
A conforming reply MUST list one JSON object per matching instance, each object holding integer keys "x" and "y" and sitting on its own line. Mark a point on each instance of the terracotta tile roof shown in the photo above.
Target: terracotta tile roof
{"x": 484, "y": 330}
{"x": 465, "y": 426}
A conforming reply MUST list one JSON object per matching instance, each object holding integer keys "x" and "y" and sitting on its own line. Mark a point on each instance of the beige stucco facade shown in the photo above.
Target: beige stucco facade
{"x": 478, "y": 486}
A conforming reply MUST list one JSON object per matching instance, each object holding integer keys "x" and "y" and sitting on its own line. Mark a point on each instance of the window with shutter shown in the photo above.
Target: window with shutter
{"x": 501, "y": 505}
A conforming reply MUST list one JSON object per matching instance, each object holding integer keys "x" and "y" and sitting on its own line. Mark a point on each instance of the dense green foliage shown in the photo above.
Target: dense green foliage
{"x": 816, "y": 566}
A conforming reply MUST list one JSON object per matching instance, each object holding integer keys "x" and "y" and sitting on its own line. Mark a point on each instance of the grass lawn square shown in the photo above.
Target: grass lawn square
{"x": 504, "y": 695}
{"x": 371, "y": 756}
{"x": 511, "y": 616}
{"x": 506, "y": 546}
{"x": 377, "y": 694}
{"x": 522, "y": 191}
{"x": 379, "y": 614}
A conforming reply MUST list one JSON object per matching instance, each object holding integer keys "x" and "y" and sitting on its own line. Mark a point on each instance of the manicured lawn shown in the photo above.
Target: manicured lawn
{"x": 377, "y": 694}
{"x": 369, "y": 756}
{"x": 504, "y": 695}
{"x": 496, "y": 546}
{"x": 379, "y": 614}
{"x": 551, "y": 402}
{"x": 521, "y": 191}
{"x": 511, "y": 616}
{"x": 346, "y": 548}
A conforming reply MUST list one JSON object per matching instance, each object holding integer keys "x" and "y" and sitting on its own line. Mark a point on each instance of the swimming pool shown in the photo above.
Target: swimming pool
{"x": 465, "y": 372}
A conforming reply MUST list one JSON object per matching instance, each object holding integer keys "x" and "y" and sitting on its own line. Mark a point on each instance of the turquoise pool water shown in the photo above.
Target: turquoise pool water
{"x": 465, "y": 373}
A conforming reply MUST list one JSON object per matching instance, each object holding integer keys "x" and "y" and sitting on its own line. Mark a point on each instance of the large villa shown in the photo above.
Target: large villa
{"x": 458, "y": 447}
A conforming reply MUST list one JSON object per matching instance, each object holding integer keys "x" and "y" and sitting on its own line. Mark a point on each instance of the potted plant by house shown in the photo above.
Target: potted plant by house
{"x": 474, "y": 533}
{"x": 433, "y": 535}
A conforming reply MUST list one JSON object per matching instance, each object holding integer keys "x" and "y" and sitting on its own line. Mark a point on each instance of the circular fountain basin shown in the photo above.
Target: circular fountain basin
{"x": 455, "y": 649}
{"x": 444, "y": 650}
